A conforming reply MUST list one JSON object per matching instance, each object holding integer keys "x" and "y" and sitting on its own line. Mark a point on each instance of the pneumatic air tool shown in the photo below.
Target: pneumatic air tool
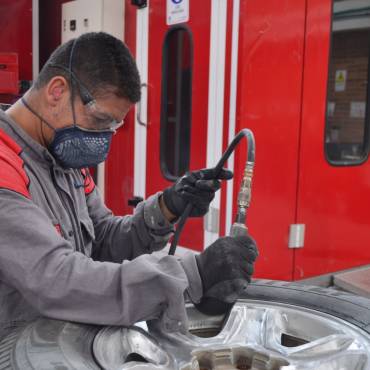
{"x": 212, "y": 305}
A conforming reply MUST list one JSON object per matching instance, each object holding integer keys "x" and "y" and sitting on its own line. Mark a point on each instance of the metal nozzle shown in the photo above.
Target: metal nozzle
{"x": 245, "y": 194}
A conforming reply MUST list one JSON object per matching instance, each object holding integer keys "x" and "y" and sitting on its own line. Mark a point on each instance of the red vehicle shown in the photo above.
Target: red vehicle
{"x": 294, "y": 71}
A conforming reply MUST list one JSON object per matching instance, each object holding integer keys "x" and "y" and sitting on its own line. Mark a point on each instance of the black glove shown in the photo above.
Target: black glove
{"x": 197, "y": 188}
{"x": 225, "y": 268}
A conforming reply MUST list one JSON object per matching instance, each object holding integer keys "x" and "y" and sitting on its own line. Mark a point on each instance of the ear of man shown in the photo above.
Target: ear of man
{"x": 56, "y": 90}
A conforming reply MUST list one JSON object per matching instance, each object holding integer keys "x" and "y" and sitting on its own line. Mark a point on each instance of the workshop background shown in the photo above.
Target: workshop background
{"x": 210, "y": 68}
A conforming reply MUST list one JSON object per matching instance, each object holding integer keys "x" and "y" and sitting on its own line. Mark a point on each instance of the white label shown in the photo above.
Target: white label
{"x": 177, "y": 11}
{"x": 296, "y": 235}
{"x": 340, "y": 79}
{"x": 358, "y": 109}
{"x": 331, "y": 108}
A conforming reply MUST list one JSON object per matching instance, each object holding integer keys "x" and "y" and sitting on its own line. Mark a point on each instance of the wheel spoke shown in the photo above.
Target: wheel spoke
{"x": 114, "y": 347}
{"x": 342, "y": 361}
{"x": 326, "y": 346}
{"x": 244, "y": 325}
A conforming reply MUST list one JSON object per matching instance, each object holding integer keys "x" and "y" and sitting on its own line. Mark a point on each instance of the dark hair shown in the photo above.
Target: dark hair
{"x": 100, "y": 61}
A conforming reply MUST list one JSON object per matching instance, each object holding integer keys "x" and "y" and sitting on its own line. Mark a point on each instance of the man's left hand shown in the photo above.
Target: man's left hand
{"x": 225, "y": 268}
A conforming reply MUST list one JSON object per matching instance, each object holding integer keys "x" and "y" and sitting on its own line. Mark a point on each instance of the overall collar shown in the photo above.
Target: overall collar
{"x": 35, "y": 150}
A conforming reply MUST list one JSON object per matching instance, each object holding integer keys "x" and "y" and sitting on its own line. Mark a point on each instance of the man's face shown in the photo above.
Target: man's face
{"x": 80, "y": 131}
{"x": 104, "y": 112}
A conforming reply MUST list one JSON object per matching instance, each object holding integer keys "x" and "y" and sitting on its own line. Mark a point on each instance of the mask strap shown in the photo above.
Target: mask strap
{"x": 71, "y": 80}
{"x": 86, "y": 97}
{"x": 23, "y": 100}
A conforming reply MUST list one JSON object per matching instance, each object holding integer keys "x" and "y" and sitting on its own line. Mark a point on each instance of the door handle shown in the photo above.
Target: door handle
{"x": 141, "y": 121}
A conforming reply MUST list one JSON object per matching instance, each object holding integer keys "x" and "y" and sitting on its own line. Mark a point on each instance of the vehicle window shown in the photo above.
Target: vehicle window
{"x": 346, "y": 138}
{"x": 176, "y": 103}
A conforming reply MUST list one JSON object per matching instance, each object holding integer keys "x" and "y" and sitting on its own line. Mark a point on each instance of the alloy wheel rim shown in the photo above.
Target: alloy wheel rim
{"x": 256, "y": 335}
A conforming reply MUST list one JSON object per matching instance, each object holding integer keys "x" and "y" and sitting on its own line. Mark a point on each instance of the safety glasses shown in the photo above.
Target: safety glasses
{"x": 99, "y": 121}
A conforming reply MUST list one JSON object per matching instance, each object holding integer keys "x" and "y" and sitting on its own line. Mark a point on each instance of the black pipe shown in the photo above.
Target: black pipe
{"x": 251, "y": 156}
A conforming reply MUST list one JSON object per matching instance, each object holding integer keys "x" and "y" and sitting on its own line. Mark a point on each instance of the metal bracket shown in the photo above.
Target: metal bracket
{"x": 296, "y": 235}
{"x": 212, "y": 220}
{"x": 140, "y": 3}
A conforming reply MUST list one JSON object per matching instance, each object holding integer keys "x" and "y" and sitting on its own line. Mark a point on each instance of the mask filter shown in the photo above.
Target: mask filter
{"x": 76, "y": 148}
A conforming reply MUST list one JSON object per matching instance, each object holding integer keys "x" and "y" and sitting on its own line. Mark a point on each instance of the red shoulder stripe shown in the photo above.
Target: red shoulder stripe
{"x": 89, "y": 183}
{"x": 12, "y": 174}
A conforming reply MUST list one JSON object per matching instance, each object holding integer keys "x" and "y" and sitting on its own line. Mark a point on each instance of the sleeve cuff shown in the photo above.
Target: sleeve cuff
{"x": 153, "y": 215}
{"x": 195, "y": 289}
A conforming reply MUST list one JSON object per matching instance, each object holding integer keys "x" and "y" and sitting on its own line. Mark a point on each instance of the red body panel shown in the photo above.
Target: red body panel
{"x": 333, "y": 201}
{"x": 269, "y": 103}
{"x": 9, "y": 73}
{"x": 16, "y": 37}
{"x": 16, "y": 33}
{"x": 199, "y": 24}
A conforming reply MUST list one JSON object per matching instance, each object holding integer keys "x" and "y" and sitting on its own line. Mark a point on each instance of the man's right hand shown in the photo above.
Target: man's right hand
{"x": 226, "y": 267}
{"x": 197, "y": 188}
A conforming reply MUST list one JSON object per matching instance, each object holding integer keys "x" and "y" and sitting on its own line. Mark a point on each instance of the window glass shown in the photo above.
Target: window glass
{"x": 176, "y": 103}
{"x": 347, "y": 118}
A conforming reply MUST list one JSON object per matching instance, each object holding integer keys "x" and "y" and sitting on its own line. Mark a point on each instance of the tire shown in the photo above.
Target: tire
{"x": 346, "y": 306}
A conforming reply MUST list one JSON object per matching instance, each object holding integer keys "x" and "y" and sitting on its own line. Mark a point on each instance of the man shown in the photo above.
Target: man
{"x": 63, "y": 254}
